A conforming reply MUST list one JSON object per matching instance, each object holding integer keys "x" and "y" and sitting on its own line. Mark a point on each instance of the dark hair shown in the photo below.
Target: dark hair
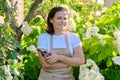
{"x": 50, "y": 28}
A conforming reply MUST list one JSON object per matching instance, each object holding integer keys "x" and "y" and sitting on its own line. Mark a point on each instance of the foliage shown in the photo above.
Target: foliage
{"x": 103, "y": 54}
{"x": 31, "y": 61}
{"x": 10, "y": 59}
{"x": 11, "y": 63}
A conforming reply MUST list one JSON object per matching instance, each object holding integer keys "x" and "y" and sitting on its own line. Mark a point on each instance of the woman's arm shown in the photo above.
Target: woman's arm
{"x": 76, "y": 60}
{"x": 45, "y": 64}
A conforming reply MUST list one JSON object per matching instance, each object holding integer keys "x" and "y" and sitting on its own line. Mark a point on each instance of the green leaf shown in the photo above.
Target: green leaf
{"x": 2, "y": 61}
{"x": 93, "y": 49}
{"x": 107, "y": 51}
{"x": 109, "y": 63}
{"x": 101, "y": 56}
{"x": 114, "y": 53}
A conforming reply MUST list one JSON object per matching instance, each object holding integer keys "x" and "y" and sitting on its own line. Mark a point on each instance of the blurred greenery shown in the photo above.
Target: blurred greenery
{"x": 84, "y": 16}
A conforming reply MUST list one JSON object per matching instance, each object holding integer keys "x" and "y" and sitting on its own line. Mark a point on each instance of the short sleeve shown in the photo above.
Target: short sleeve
{"x": 42, "y": 42}
{"x": 76, "y": 41}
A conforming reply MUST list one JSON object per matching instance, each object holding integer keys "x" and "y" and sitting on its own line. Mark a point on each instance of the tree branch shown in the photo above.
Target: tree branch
{"x": 33, "y": 8}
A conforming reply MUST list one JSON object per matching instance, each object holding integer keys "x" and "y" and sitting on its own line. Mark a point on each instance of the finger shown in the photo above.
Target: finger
{"x": 48, "y": 61}
{"x": 47, "y": 58}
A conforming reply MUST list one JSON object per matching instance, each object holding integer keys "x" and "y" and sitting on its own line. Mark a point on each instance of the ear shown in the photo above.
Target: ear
{"x": 51, "y": 20}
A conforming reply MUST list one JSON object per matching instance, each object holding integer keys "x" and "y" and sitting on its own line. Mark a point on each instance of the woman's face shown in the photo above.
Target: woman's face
{"x": 60, "y": 20}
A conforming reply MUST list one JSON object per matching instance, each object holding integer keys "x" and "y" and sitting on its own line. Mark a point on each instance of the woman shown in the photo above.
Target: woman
{"x": 64, "y": 48}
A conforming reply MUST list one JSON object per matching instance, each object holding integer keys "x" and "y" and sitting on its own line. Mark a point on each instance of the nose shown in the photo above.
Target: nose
{"x": 62, "y": 20}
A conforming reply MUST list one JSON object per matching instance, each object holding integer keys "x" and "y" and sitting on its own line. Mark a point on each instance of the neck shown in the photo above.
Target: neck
{"x": 59, "y": 32}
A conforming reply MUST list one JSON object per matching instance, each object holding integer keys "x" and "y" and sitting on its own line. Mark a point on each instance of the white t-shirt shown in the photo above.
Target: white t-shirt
{"x": 59, "y": 41}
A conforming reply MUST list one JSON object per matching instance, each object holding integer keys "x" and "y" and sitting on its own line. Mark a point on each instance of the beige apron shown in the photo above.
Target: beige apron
{"x": 59, "y": 73}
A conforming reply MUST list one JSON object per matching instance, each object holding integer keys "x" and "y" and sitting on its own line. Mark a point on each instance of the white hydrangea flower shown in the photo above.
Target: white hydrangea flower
{"x": 117, "y": 41}
{"x": 90, "y": 71}
{"x": 100, "y": 36}
{"x": 102, "y": 40}
{"x": 7, "y": 71}
{"x": 98, "y": 13}
{"x": 117, "y": 33}
{"x": 83, "y": 70}
{"x": 32, "y": 48}
{"x": 26, "y": 29}
{"x": 92, "y": 63}
{"x": 104, "y": 9}
{"x": 16, "y": 71}
{"x": 25, "y": 23}
{"x": 65, "y": 6}
{"x": 92, "y": 31}
{"x": 20, "y": 57}
{"x": 116, "y": 60}
{"x": 78, "y": 18}
{"x": 71, "y": 24}
{"x": 95, "y": 75}
{"x": 73, "y": 13}
{"x": 15, "y": 61}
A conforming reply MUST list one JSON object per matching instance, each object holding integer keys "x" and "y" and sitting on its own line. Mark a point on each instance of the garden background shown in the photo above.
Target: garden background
{"x": 97, "y": 26}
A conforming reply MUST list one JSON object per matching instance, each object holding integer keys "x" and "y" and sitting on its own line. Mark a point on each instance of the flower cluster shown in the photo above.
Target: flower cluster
{"x": 93, "y": 31}
{"x": 90, "y": 71}
{"x": 71, "y": 24}
{"x": 32, "y": 48}
{"x": 26, "y": 29}
{"x": 116, "y": 59}
{"x": 98, "y": 13}
{"x": 6, "y": 73}
{"x": 117, "y": 36}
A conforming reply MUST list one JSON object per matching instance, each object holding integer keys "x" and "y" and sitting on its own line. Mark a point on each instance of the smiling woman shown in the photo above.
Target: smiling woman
{"x": 64, "y": 47}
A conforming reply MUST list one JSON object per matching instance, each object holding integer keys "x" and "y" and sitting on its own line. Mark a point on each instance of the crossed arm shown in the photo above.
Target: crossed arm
{"x": 58, "y": 61}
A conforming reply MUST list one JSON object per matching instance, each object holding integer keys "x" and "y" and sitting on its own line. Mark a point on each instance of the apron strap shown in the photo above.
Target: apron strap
{"x": 66, "y": 41}
{"x": 51, "y": 42}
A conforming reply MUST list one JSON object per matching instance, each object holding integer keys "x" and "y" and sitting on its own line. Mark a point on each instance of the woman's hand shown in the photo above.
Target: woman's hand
{"x": 53, "y": 62}
{"x": 53, "y": 58}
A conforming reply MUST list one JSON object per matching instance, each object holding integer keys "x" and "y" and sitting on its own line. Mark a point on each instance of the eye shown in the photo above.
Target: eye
{"x": 58, "y": 17}
{"x": 65, "y": 18}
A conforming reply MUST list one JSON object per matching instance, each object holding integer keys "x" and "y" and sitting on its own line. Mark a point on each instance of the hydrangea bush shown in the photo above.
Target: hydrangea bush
{"x": 90, "y": 71}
